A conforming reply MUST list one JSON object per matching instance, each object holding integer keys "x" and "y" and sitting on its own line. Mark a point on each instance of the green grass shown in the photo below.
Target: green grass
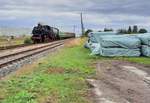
{"x": 140, "y": 60}
{"x": 68, "y": 86}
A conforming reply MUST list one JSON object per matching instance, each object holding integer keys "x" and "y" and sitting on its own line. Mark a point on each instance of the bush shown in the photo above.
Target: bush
{"x": 108, "y": 30}
{"x": 87, "y": 32}
{"x": 142, "y": 30}
{"x": 28, "y": 41}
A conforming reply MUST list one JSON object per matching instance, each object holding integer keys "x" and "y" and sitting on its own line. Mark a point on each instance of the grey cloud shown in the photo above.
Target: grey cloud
{"x": 101, "y": 11}
{"x": 136, "y": 7}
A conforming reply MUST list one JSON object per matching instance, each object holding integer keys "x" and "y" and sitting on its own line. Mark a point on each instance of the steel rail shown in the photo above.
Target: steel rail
{"x": 28, "y": 53}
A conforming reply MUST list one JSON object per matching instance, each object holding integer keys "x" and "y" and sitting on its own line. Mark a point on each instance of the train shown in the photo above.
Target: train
{"x": 45, "y": 33}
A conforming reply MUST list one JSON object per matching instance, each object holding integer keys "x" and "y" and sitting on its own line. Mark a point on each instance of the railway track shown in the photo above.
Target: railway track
{"x": 14, "y": 46}
{"x": 11, "y": 58}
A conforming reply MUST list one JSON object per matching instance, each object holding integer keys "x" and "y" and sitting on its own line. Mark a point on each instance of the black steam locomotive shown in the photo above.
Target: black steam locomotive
{"x": 44, "y": 33}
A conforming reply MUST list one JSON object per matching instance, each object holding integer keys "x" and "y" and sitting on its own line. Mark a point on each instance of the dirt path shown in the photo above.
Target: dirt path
{"x": 121, "y": 82}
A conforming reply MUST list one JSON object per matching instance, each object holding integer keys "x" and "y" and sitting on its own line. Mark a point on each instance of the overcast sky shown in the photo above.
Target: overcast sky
{"x": 65, "y": 13}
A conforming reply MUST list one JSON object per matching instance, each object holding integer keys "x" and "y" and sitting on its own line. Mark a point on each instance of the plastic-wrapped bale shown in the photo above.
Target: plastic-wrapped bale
{"x": 119, "y": 52}
{"x": 145, "y": 38}
{"x": 146, "y": 50}
{"x": 95, "y": 48}
{"x": 94, "y": 36}
{"x": 87, "y": 45}
{"x": 120, "y": 41}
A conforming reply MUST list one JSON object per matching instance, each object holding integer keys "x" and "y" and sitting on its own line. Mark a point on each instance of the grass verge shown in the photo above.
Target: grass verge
{"x": 139, "y": 60}
{"x": 60, "y": 78}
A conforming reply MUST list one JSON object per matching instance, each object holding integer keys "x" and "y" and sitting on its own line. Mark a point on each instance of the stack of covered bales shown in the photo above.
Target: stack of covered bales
{"x": 94, "y": 36}
{"x": 145, "y": 40}
{"x": 119, "y": 45}
{"x": 93, "y": 41}
{"x": 111, "y": 44}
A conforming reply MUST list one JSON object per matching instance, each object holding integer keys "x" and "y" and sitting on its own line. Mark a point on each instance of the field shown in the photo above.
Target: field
{"x": 7, "y": 41}
{"x": 58, "y": 78}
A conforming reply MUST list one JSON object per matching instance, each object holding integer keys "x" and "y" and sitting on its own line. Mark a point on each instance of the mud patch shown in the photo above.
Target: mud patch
{"x": 53, "y": 98}
{"x": 61, "y": 71}
{"x": 121, "y": 82}
{"x": 55, "y": 71}
{"x": 1, "y": 98}
{"x": 135, "y": 70}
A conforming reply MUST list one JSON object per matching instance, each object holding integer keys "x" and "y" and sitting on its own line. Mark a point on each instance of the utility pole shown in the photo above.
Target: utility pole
{"x": 74, "y": 28}
{"x": 82, "y": 25}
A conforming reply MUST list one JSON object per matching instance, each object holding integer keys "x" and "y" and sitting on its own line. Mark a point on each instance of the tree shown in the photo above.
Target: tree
{"x": 107, "y": 30}
{"x": 143, "y": 30}
{"x": 87, "y": 32}
{"x": 28, "y": 41}
{"x": 129, "y": 30}
{"x": 135, "y": 29}
{"x": 12, "y": 37}
{"x": 122, "y": 31}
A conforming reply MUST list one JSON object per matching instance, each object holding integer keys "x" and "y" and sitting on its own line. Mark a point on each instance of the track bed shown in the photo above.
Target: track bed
{"x": 11, "y": 60}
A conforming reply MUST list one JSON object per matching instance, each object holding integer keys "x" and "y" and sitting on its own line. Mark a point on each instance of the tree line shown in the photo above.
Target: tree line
{"x": 131, "y": 30}
{"x": 105, "y": 30}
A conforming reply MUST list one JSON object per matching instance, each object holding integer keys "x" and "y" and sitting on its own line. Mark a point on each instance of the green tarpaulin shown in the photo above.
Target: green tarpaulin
{"x": 119, "y": 52}
{"x": 94, "y": 36}
{"x": 120, "y": 41}
{"x": 145, "y": 38}
{"x": 146, "y": 50}
{"x": 112, "y": 44}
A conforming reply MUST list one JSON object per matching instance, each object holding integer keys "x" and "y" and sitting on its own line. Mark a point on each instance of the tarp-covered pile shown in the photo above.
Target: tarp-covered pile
{"x": 93, "y": 41}
{"x": 119, "y": 45}
{"x": 145, "y": 39}
{"x": 94, "y": 36}
{"x": 111, "y": 44}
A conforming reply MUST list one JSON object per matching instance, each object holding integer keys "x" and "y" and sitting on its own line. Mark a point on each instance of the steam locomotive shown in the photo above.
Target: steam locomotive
{"x": 45, "y": 33}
